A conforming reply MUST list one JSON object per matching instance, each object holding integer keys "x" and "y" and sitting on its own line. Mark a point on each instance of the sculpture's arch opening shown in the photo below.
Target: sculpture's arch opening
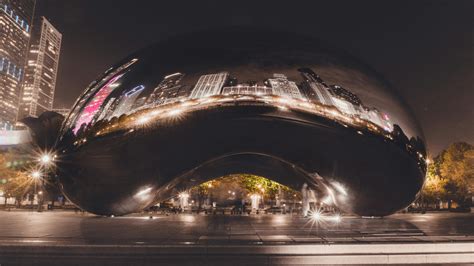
{"x": 294, "y": 184}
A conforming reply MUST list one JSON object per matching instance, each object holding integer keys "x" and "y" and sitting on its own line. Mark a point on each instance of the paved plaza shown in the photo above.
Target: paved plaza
{"x": 77, "y": 228}
{"x": 27, "y": 237}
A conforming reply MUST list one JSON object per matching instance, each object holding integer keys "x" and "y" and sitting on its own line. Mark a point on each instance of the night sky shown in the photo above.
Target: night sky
{"x": 424, "y": 48}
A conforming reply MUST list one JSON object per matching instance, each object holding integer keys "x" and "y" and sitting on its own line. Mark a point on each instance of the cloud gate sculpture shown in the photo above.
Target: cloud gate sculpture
{"x": 208, "y": 104}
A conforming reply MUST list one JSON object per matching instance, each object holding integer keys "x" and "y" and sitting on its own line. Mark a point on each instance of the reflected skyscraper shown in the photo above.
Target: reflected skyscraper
{"x": 246, "y": 89}
{"x": 343, "y": 94}
{"x": 41, "y": 70}
{"x": 210, "y": 84}
{"x": 127, "y": 100}
{"x": 315, "y": 88}
{"x": 284, "y": 87}
{"x": 169, "y": 88}
{"x": 15, "y": 19}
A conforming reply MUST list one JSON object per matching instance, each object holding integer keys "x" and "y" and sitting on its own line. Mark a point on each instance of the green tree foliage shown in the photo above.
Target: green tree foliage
{"x": 13, "y": 182}
{"x": 450, "y": 177}
{"x": 456, "y": 166}
{"x": 434, "y": 188}
{"x": 251, "y": 183}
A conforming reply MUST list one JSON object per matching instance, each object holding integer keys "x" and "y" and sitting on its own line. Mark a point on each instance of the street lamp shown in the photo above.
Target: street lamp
{"x": 46, "y": 159}
{"x": 36, "y": 174}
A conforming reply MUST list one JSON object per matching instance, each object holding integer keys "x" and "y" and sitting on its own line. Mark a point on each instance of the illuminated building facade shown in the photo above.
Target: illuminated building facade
{"x": 41, "y": 70}
{"x": 169, "y": 88}
{"x": 93, "y": 106}
{"x": 315, "y": 88}
{"x": 15, "y": 26}
{"x": 284, "y": 87}
{"x": 210, "y": 84}
{"x": 341, "y": 93}
{"x": 246, "y": 89}
{"x": 344, "y": 106}
{"x": 127, "y": 100}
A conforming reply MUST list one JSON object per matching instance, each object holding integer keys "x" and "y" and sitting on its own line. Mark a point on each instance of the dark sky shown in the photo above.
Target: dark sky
{"x": 424, "y": 48}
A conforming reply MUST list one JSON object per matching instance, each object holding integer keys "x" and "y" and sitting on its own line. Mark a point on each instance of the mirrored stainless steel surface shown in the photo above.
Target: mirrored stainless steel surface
{"x": 200, "y": 106}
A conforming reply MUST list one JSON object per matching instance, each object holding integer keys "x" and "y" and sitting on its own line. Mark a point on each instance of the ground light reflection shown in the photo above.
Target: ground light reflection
{"x": 320, "y": 220}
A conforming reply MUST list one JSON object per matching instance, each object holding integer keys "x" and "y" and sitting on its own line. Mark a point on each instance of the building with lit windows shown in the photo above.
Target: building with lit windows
{"x": 344, "y": 106}
{"x": 284, "y": 87}
{"x": 169, "y": 88}
{"x": 210, "y": 84}
{"x": 341, "y": 93}
{"x": 127, "y": 100}
{"x": 15, "y": 25}
{"x": 41, "y": 70}
{"x": 314, "y": 87}
{"x": 245, "y": 89}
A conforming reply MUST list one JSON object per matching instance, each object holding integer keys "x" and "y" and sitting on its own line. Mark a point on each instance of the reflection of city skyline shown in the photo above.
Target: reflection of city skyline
{"x": 100, "y": 111}
{"x": 312, "y": 89}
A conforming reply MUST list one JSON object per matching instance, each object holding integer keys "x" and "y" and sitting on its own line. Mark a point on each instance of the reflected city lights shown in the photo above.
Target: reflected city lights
{"x": 327, "y": 200}
{"x": 191, "y": 118}
{"x": 340, "y": 188}
{"x": 143, "y": 120}
{"x": 175, "y": 112}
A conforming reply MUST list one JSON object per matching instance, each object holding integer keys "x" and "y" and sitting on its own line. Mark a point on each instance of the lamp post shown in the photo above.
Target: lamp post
{"x": 40, "y": 201}
{"x": 35, "y": 175}
{"x": 46, "y": 159}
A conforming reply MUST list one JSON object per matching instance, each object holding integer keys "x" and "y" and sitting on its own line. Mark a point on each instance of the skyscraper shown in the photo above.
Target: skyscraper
{"x": 210, "y": 84}
{"x": 41, "y": 70}
{"x": 341, "y": 93}
{"x": 168, "y": 88}
{"x": 315, "y": 87}
{"x": 15, "y": 24}
{"x": 247, "y": 89}
{"x": 284, "y": 87}
{"x": 127, "y": 100}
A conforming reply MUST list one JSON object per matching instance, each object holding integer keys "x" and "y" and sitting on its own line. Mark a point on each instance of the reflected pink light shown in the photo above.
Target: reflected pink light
{"x": 94, "y": 105}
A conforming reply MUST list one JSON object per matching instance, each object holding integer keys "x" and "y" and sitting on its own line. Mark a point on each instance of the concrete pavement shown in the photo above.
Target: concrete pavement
{"x": 67, "y": 237}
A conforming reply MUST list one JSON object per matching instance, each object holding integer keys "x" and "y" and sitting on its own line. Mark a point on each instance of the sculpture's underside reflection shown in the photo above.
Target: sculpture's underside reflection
{"x": 179, "y": 113}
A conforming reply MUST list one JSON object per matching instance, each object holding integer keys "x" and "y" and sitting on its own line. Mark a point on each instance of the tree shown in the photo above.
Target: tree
{"x": 13, "y": 183}
{"x": 456, "y": 167}
{"x": 203, "y": 190}
{"x": 251, "y": 184}
{"x": 434, "y": 187}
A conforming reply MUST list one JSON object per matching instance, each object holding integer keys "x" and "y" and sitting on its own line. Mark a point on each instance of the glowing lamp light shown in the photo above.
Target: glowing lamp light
{"x": 143, "y": 120}
{"x": 316, "y": 216}
{"x": 36, "y": 174}
{"x": 183, "y": 195}
{"x": 175, "y": 112}
{"x": 46, "y": 159}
